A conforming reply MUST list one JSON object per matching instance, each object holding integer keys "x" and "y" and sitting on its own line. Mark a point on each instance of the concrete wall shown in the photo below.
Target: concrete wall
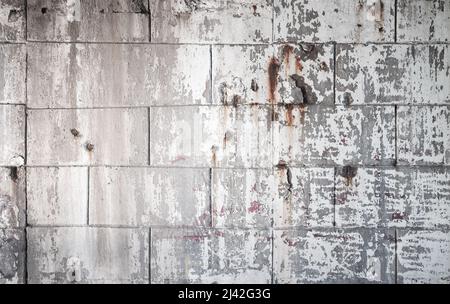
{"x": 255, "y": 141}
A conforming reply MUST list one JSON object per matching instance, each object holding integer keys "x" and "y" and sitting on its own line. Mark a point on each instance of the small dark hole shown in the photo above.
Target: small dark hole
{"x": 381, "y": 29}
{"x": 44, "y": 10}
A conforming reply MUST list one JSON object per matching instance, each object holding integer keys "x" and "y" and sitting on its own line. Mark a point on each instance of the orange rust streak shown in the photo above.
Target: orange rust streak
{"x": 274, "y": 68}
{"x": 298, "y": 65}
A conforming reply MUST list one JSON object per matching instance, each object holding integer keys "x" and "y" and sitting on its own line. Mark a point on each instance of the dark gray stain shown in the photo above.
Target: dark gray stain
{"x": 75, "y": 132}
{"x": 14, "y": 15}
{"x": 307, "y": 93}
{"x": 13, "y": 174}
{"x": 254, "y": 86}
{"x": 348, "y": 172}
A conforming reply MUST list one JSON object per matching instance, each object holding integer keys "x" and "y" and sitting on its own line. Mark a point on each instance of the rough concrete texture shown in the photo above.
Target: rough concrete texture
{"x": 197, "y": 141}
{"x": 211, "y": 256}
{"x": 334, "y": 20}
{"x": 80, "y": 137}
{"x": 393, "y": 73}
{"x": 149, "y": 196}
{"x": 328, "y": 256}
{"x": 80, "y": 20}
{"x": 113, "y": 75}
{"x": 88, "y": 255}
{"x": 334, "y": 135}
{"x": 12, "y": 256}
{"x": 57, "y": 195}
{"x": 12, "y": 20}
{"x": 12, "y": 73}
{"x": 12, "y": 197}
{"x": 423, "y": 21}
{"x": 199, "y": 21}
{"x": 12, "y": 134}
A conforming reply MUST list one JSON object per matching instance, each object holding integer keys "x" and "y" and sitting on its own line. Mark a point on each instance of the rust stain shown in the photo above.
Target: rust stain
{"x": 89, "y": 146}
{"x": 287, "y": 51}
{"x": 255, "y": 207}
{"x": 213, "y": 155}
{"x": 298, "y": 65}
{"x": 75, "y": 132}
{"x": 178, "y": 158}
{"x": 274, "y": 68}
{"x": 289, "y": 115}
{"x": 302, "y": 109}
{"x": 226, "y": 137}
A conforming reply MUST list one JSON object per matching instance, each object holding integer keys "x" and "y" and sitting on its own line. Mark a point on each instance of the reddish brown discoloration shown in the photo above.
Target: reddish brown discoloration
{"x": 298, "y": 65}
{"x": 289, "y": 115}
{"x": 89, "y": 146}
{"x": 274, "y": 68}
{"x": 213, "y": 155}
{"x": 287, "y": 52}
{"x": 302, "y": 114}
{"x": 255, "y": 207}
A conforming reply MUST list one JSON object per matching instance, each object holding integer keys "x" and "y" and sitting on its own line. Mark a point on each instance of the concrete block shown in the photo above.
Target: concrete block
{"x": 305, "y": 197}
{"x": 149, "y": 196}
{"x": 88, "y": 137}
{"x": 177, "y": 21}
{"x": 12, "y": 134}
{"x": 114, "y": 75}
{"x": 423, "y": 257}
{"x": 394, "y": 74}
{"x": 240, "y": 74}
{"x": 12, "y": 20}
{"x": 12, "y": 73}
{"x": 95, "y": 21}
{"x": 12, "y": 256}
{"x": 423, "y": 135}
{"x": 423, "y": 20}
{"x": 265, "y": 74}
{"x": 335, "y": 20}
{"x": 12, "y": 197}
{"x": 88, "y": 255}
{"x": 327, "y": 256}
{"x": 315, "y": 135}
{"x": 57, "y": 195}
{"x": 210, "y": 256}
{"x": 210, "y": 136}
{"x": 242, "y": 198}
{"x": 403, "y": 197}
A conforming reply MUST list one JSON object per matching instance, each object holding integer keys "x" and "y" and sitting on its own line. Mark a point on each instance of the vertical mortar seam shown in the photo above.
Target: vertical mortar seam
{"x": 395, "y": 21}
{"x": 149, "y": 255}
{"x": 272, "y": 275}
{"x": 395, "y": 257}
{"x": 88, "y": 194}
{"x": 334, "y": 197}
{"x": 334, "y": 72}
{"x": 25, "y": 235}
{"x": 211, "y": 217}
{"x": 395, "y": 136}
{"x": 210, "y": 75}
{"x": 273, "y": 23}
{"x": 148, "y": 135}
{"x": 149, "y": 22}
